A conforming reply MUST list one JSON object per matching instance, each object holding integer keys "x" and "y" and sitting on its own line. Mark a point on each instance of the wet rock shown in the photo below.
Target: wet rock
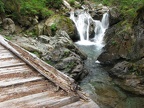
{"x": 96, "y": 15}
{"x": 120, "y": 69}
{"x": 129, "y": 76}
{"x": 98, "y": 12}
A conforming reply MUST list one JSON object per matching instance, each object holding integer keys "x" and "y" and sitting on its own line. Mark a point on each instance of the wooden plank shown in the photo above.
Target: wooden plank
{"x": 62, "y": 102}
{"x": 14, "y": 103}
{"x": 5, "y": 51}
{"x": 39, "y": 100}
{"x": 18, "y": 91}
{"x": 10, "y": 63}
{"x": 54, "y": 102}
{"x": 82, "y": 104}
{"x": 16, "y": 69}
{"x": 6, "y": 55}
{"x": 1, "y": 47}
{"x": 14, "y": 81}
{"x": 19, "y": 75}
{"x": 31, "y": 100}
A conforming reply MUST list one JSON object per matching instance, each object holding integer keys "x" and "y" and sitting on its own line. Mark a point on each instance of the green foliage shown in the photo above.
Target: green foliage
{"x": 114, "y": 43}
{"x": 105, "y": 2}
{"x": 8, "y": 37}
{"x": 18, "y": 8}
{"x": 49, "y": 62}
{"x": 2, "y": 7}
{"x": 35, "y": 7}
{"x": 36, "y": 53}
{"x": 128, "y": 7}
{"x": 71, "y": 2}
{"x": 53, "y": 27}
{"x": 45, "y": 12}
{"x": 54, "y": 3}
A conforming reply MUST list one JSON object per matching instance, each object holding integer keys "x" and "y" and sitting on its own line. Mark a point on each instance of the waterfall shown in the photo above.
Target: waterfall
{"x": 83, "y": 21}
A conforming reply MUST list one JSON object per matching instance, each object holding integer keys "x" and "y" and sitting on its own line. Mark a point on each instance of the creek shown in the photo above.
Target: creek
{"x": 98, "y": 84}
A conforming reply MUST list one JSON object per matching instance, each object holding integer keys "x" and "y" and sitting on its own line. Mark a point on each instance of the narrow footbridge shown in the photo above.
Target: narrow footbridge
{"x": 28, "y": 82}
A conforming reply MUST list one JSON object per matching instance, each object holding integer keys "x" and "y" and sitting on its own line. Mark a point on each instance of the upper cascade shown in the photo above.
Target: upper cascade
{"x": 83, "y": 22}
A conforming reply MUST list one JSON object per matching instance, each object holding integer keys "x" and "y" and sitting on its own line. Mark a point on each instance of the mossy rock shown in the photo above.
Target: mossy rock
{"x": 59, "y": 22}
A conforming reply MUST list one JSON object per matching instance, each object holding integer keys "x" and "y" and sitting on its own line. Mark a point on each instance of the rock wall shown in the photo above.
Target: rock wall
{"x": 124, "y": 51}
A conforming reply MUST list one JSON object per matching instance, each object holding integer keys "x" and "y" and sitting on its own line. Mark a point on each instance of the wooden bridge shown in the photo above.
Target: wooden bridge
{"x": 28, "y": 82}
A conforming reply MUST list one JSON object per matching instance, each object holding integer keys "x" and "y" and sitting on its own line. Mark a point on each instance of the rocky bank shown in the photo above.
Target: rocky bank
{"x": 124, "y": 53}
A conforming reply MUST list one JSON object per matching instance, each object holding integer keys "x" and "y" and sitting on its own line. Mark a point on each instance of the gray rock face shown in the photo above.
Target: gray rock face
{"x": 65, "y": 56}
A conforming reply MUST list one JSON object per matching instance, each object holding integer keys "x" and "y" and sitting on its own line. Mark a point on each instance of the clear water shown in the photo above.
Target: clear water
{"x": 100, "y": 86}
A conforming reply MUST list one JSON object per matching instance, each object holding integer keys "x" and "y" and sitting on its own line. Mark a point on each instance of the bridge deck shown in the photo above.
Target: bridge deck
{"x": 24, "y": 84}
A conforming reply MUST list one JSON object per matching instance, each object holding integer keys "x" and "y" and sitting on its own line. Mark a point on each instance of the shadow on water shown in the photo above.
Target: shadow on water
{"x": 99, "y": 85}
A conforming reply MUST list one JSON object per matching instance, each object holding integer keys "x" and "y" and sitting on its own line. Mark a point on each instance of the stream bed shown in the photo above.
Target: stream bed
{"x": 100, "y": 86}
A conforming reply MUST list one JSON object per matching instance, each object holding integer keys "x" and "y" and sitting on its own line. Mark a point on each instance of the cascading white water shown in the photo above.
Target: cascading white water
{"x": 100, "y": 28}
{"x": 83, "y": 21}
{"x": 105, "y": 20}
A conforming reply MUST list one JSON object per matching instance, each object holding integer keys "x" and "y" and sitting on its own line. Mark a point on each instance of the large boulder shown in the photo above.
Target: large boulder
{"x": 59, "y": 22}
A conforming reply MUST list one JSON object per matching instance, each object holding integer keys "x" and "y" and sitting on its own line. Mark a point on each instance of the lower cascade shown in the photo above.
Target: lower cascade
{"x": 83, "y": 22}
